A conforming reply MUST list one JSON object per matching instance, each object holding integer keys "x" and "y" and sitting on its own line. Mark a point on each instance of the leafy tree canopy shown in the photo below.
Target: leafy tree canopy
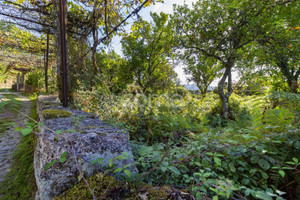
{"x": 222, "y": 29}
{"x": 148, "y": 49}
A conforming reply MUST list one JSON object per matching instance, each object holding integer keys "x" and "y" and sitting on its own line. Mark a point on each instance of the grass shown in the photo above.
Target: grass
{"x": 4, "y": 89}
{"x": 10, "y": 104}
{"x": 23, "y": 185}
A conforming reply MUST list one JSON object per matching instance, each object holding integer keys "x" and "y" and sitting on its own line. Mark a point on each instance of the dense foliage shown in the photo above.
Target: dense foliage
{"x": 241, "y": 141}
{"x": 183, "y": 141}
{"x": 147, "y": 49}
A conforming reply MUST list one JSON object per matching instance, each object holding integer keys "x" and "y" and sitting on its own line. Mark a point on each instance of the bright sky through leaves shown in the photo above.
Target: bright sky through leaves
{"x": 166, "y": 7}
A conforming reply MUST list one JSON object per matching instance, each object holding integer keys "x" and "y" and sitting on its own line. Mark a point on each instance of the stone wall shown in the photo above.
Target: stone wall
{"x": 80, "y": 131}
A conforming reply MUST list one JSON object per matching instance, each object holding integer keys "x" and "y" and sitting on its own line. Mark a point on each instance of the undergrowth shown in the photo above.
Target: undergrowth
{"x": 183, "y": 141}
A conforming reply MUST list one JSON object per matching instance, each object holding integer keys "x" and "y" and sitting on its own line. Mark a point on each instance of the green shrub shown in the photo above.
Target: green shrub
{"x": 184, "y": 141}
{"x": 32, "y": 79}
{"x": 238, "y": 113}
{"x": 249, "y": 164}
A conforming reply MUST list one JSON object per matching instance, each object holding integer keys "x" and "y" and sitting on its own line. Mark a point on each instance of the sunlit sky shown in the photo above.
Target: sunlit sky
{"x": 166, "y": 7}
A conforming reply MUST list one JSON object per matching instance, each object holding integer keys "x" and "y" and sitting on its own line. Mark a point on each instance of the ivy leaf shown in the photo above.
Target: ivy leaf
{"x": 280, "y": 192}
{"x": 127, "y": 172}
{"x": 297, "y": 145}
{"x": 98, "y": 160}
{"x": 145, "y": 150}
{"x": 254, "y": 159}
{"x": 111, "y": 162}
{"x": 264, "y": 164}
{"x": 64, "y": 154}
{"x": 71, "y": 131}
{"x": 163, "y": 169}
{"x": 217, "y": 161}
{"x": 282, "y": 173}
{"x": 262, "y": 195}
{"x": 26, "y": 131}
{"x": 120, "y": 157}
{"x": 18, "y": 128}
{"x": 205, "y": 163}
{"x": 62, "y": 160}
{"x": 126, "y": 166}
{"x": 47, "y": 166}
{"x": 198, "y": 196}
{"x": 63, "y": 157}
{"x": 295, "y": 160}
{"x": 175, "y": 170}
{"x": 247, "y": 192}
{"x": 118, "y": 170}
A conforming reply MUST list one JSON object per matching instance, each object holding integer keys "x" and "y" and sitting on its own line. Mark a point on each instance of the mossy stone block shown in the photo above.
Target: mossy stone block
{"x": 108, "y": 187}
{"x": 55, "y": 113}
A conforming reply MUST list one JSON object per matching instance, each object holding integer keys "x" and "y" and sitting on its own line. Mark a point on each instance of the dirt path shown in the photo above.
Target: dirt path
{"x": 9, "y": 138}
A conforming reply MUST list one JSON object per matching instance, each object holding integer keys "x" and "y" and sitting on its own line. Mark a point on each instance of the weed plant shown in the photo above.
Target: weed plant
{"x": 183, "y": 141}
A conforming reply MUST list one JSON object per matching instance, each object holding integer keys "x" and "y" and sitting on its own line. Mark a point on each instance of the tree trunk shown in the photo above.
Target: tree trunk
{"x": 22, "y": 79}
{"x": 94, "y": 59}
{"x": 46, "y": 63}
{"x": 292, "y": 79}
{"x": 225, "y": 97}
{"x": 18, "y": 82}
{"x": 294, "y": 86}
{"x": 202, "y": 89}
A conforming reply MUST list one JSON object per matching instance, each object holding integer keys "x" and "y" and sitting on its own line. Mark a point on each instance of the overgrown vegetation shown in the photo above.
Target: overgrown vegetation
{"x": 184, "y": 141}
{"x": 10, "y": 105}
{"x": 19, "y": 182}
{"x": 242, "y": 141}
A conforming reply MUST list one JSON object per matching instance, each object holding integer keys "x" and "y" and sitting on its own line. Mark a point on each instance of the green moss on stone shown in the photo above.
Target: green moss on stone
{"x": 90, "y": 115}
{"x": 107, "y": 187}
{"x": 102, "y": 134}
{"x": 158, "y": 193}
{"x": 55, "y": 113}
{"x": 102, "y": 185}
{"x": 91, "y": 127}
{"x": 88, "y": 129}
{"x": 49, "y": 103}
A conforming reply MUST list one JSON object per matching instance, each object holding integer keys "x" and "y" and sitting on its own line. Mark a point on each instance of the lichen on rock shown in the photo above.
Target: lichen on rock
{"x": 55, "y": 113}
